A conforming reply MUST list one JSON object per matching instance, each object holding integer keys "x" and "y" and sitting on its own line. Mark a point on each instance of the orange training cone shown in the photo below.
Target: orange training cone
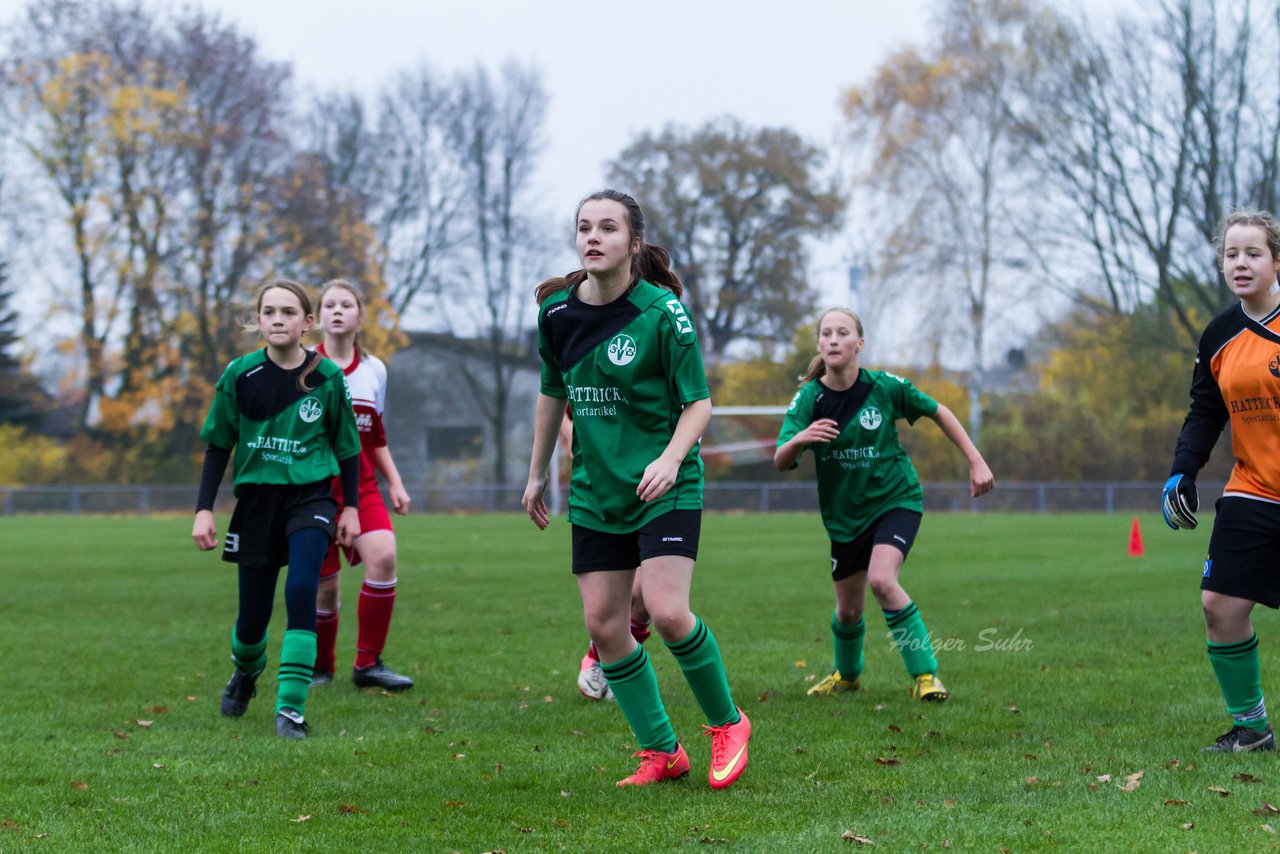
{"x": 1135, "y": 540}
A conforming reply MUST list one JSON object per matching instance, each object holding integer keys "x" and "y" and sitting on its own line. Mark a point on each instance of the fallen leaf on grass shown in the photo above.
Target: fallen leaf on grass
{"x": 1014, "y": 709}
{"x": 190, "y": 698}
{"x": 547, "y": 698}
{"x": 300, "y": 819}
{"x": 144, "y": 724}
{"x": 850, "y": 836}
{"x": 455, "y": 803}
{"x": 800, "y": 664}
{"x": 1104, "y": 778}
{"x": 121, "y": 735}
{"x": 1031, "y": 781}
{"x": 1133, "y": 781}
{"x": 1172, "y": 763}
{"x": 1268, "y": 828}
{"x": 1029, "y": 756}
{"x": 350, "y": 809}
{"x": 880, "y": 760}
{"x": 80, "y": 787}
{"x": 711, "y": 840}
{"x": 946, "y": 843}
{"x": 40, "y": 836}
{"x": 1177, "y": 802}
{"x": 763, "y": 697}
{"x": 1246, "y": 778}
{"x": 564, "y": 793}
{"x": 1222, "y": 793}
{"x": 157, "y": 765}
{"x": 1266, "y": 809}
{"x": 157, "y": 710}
{"x": 894, "y": 728}
{"x": 9, "y": 824}
{"x": 1188, "y": 825}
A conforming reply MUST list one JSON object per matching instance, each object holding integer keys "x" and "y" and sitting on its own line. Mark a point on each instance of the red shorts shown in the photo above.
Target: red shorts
{"x": 373, "y": 517}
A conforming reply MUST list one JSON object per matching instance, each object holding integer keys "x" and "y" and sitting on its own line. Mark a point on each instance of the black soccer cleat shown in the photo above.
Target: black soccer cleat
{"x": 241, "y": 688}
{"x": 378, "y": 675}
{"x": 1242, "y": 739}
{"x": 289, "y": 724}
{"x": 321, "y": 677}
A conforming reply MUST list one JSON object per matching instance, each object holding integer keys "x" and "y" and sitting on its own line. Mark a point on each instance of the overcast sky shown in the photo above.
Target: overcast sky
{"x": 612, "y": 70}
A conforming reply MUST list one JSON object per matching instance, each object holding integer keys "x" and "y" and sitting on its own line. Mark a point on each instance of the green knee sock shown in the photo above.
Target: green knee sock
{"x": 635, "y": 688}
{"x": 249, "y": 657}
{"x": 1240, "y": 678}
{"x": 910, "y": 636}
{"x": 848, "y": 645}
{"x": 297, "y": 655}
{"x": 699, "y": 658}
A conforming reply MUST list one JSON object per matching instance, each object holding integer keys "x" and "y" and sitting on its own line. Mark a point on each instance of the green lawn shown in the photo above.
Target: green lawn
{"x": 1067, "y": 660}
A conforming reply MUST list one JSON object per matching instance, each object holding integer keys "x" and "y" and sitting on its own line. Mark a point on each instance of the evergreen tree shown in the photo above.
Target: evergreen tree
{"x": 21, "y": 397}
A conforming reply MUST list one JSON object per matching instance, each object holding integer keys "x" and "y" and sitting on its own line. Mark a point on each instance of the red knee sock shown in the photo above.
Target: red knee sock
{"x": 377, "y": 599}
{"x": 326, "y": 639}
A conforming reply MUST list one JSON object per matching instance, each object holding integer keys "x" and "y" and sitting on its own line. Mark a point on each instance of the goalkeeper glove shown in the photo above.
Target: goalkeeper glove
{"x": 1180, "y": 502}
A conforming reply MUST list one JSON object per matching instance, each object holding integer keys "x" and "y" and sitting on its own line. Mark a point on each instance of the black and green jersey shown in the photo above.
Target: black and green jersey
{"x": 627, "y": 369}
{"x": 865, "y": 471}
{"x": 281, "y": 434}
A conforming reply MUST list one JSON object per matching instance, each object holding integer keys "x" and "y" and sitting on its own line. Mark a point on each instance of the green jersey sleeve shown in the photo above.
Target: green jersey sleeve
{"x": 910, "y": 402}
{"x": 552, "y": 383}
{"x": 799, "y": 415}
{"x": 681, "y": 356}
{"x": 222, "y": 424}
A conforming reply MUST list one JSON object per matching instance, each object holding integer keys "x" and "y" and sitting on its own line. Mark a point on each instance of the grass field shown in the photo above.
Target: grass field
{"x": 1067, "y": 661}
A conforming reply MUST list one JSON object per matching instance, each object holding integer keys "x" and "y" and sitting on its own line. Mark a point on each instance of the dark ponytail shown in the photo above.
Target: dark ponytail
{"x": 312, "y": 363}
{"x": 652, "y": 263}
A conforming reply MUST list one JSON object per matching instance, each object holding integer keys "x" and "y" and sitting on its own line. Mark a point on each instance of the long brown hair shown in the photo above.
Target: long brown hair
{"x": 652, "y": 263}
{"x": 817, "y": 367}
{"x": 304, "y": 300}
{"x": 354, "y": 290}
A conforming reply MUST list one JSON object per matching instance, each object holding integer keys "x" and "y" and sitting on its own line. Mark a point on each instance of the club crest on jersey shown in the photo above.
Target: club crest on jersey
{"x": 870, "y": 418}
{"x": 310, "y": 410}
{"x": 1274, "y": 366}
{"x": 622, "y": 349}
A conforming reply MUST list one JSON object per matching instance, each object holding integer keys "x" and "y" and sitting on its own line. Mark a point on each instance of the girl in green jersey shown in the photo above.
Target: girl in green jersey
{"x": 286, "y": 413}
{"x": 868, "y": 493}
{"x": 620, "y": 347}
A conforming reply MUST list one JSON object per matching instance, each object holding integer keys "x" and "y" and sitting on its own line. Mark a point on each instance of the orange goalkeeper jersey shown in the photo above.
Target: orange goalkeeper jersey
{"x": 1236, "y": 380}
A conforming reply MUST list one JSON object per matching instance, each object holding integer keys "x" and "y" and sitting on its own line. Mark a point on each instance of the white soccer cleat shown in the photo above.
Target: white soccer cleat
{"x": 591, "y": 681}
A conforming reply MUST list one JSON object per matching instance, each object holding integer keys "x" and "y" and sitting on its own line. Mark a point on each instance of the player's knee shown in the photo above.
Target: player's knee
{"x": 882, "y": 587}
{"x": 327, "y": 594}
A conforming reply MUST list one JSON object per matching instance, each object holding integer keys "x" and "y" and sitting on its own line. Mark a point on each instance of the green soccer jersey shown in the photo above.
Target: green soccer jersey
{"x": 627, "y": 369}
{"x": 865, "y": 470}
{"x": 281, "y": 434}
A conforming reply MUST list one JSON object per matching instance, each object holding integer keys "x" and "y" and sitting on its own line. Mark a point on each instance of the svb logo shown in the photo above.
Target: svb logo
{"x": 622, "y": 349}
{"x": 1274, "y": 366}
{"x": 870, "y": 418}
{"x": 310, "y": 409}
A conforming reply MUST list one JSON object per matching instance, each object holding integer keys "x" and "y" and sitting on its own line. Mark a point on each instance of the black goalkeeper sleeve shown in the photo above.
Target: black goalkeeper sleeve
{"x": 215, "y": 464}
{"x": 349, "y": 471}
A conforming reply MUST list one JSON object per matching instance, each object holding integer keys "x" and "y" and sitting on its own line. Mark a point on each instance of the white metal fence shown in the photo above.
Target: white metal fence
{"x": 721, "y": 496}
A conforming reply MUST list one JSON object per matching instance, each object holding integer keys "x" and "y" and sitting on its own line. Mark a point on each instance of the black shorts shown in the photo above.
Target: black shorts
{"x": 897, "y": 528}
{"x": 1244, "y": 551}
{"x": 674, "y": 533}
{"x": 267, "y": 514}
